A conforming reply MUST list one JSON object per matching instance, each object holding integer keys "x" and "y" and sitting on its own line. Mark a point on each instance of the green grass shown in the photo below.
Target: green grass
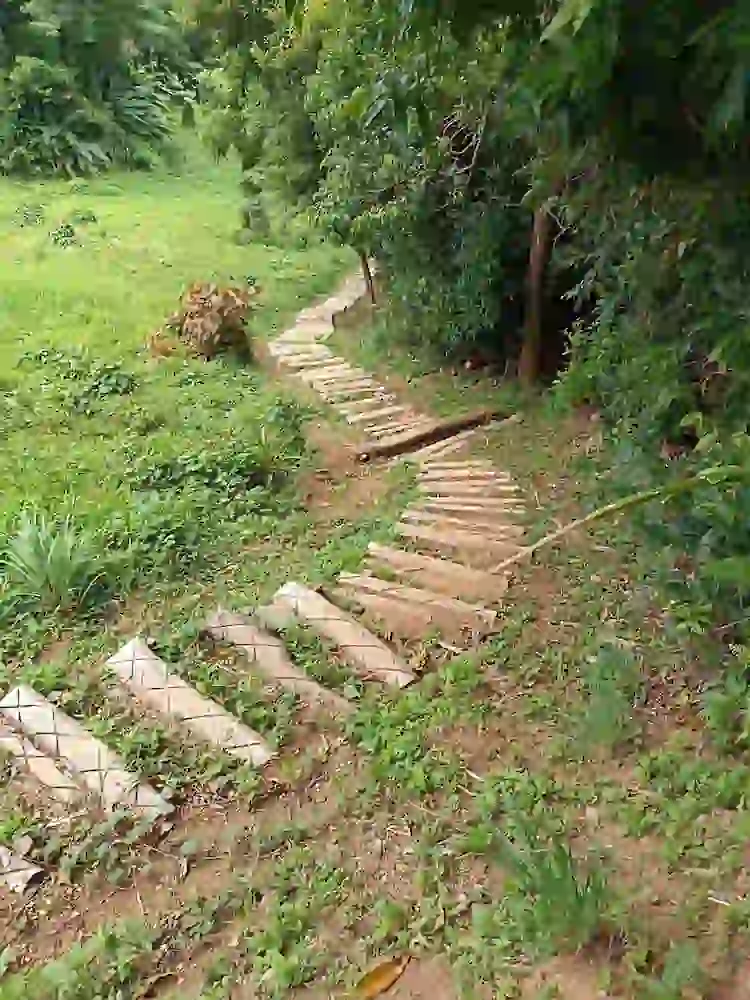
{"x": 130, "y": 470}
{"x": 577, "y": 788}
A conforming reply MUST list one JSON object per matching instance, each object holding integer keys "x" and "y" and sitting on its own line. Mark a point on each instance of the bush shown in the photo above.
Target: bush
{"x": 87, "y": 86}
{"x": 51, "y": 568}
{"x": 46, "y": 124}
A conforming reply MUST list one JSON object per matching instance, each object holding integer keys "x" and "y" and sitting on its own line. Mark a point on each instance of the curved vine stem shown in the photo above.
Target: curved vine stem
{"x": 716, "y": 474}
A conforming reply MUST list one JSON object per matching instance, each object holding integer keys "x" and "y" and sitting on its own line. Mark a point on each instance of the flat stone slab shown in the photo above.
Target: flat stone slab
{"x": 268, "y": 656}
{"x": 362, "y": 650}
{"x": 442, "y": 575}
{"x": 97, "y": 768}
{"x": 43, "y": 769}
{"x": 149, "y": 680}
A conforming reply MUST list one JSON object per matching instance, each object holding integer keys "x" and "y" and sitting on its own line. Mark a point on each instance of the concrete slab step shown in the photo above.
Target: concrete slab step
{"x": 92, "y": 763}
{"x": 149, "y": 680}
{"x": 267, "y": 655}
{"x": 43, "y": 769}
{"x": 362, "y": 650}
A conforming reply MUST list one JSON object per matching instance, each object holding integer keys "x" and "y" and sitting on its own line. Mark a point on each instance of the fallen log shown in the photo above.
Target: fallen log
{"x": 437, "y": 430}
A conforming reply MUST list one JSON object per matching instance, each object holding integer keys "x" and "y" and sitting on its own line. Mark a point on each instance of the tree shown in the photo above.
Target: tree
{"x": 86, "y": 83}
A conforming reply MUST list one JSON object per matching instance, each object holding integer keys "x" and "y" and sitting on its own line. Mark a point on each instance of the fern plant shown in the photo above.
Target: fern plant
{"x": 51, "y": 568}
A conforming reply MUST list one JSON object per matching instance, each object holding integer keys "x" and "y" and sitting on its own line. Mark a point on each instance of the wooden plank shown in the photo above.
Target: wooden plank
{"x": 386, "y": 431}
{"x": 97, "y": 768}
{"x": 429, "y": 475}
{"x": 268, "y": 656}
{"x": 451, "y": 538}
{"x": 376, "y": 401}
{"x": 438, "y": 430}
{"x": 414, "y": 595}
{"x": 150, "y": 681}
{"x": 409, "y": 620}
{"x": 327, "y": 373}
{"x": 350, "y": 389}
{"x": 456, "y": 488}
{"x": 476, "y": 505}
{"x": 441, "y": 448}
{"x": 308, "y": 362}
{"x": 43, "y": 769}
{"x": 448, "y": 506}
{"x": 494, "y": 529}
{"x": 442, "y": 575}
{"x": 458, "y": 463}
{"x": 360, "y": 648}
{"x": 373, "y": 415}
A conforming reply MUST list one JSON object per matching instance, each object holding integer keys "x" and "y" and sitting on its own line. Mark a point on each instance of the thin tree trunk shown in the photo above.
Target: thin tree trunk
{"x": 367, "y": 274}
{"x": 530, "y": 361}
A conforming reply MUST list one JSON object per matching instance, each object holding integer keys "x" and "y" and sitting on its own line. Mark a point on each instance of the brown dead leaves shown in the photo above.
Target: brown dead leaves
{"x": 211, "y": 321}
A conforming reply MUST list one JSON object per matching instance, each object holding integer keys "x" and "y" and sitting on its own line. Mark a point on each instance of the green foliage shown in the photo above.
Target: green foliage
{"x": 726, "y": 704}
{"x": 51, "y": 568}
{"x": 612, "y": 684}
{"x": 85, "y": 86}
{"x": 556, "y": 904}
{"x": 75, "y": 378}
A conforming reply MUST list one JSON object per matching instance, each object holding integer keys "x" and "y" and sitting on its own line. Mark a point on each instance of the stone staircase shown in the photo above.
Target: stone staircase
{"x": 437, "y": 579}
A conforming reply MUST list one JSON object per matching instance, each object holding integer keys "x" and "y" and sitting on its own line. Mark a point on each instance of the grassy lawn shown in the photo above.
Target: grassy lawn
{"x": 561, "y": 813}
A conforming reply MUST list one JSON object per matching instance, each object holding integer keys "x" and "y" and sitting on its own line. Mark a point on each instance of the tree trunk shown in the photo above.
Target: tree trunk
{"x": 530, "y": 361}
{"x": 367, "y": 274}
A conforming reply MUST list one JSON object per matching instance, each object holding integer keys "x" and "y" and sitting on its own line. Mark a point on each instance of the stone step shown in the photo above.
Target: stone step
{"x": 150, "y": 681}
{"x": 441, "y": 575}
{"x": 442, "y": 536}
{"x": 268, "y": 656}
{"x": 427, "y": 600}
{"x": 43, "y": 769}
{"x": 91, "y": 762}
{"x": 362, "y": 650}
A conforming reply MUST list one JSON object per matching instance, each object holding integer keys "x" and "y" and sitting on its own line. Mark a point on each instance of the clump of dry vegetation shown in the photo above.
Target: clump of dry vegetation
{"x": 211, "y": 320}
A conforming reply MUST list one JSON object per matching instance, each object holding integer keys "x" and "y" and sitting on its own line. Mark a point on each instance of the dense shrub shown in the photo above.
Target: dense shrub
{"x": 87, "y": 85}
{"x": 498, "y": 156}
